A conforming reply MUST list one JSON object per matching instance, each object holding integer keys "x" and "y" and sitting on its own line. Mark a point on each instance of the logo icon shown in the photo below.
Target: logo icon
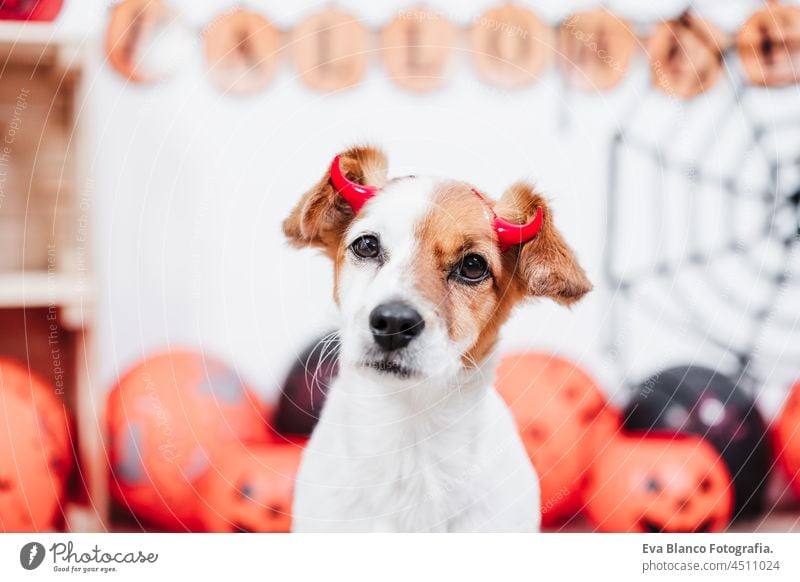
{"x": 31, "y": 555}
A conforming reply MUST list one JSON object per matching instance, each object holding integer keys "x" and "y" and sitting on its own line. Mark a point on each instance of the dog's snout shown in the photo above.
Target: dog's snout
{"x": 394, "y": 325}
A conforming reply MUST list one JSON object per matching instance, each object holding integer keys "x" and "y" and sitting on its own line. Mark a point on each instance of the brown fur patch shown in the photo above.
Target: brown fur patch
{"x": 458, "y": 225}
{"x": 546, "y": 265}
{"x": 542, "y": 267}
{"x": 321, "y": 217}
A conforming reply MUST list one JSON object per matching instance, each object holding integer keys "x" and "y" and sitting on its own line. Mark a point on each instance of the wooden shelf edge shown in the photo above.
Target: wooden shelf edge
{"x": 39, "y": 33}
{"x": 42, "y": 289}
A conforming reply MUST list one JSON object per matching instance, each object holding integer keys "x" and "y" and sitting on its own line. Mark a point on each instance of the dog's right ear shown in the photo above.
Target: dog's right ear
{"x": 544, "y": 266}
{"x": 322, "y": 216}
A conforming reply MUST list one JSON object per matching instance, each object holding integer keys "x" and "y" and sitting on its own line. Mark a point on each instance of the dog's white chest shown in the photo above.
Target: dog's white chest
{"x": 374, "y": 470}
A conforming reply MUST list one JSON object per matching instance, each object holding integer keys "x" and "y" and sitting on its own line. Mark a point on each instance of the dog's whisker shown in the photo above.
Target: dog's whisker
{"x": 320, "y": 344}
{"x": 329, "y": 351}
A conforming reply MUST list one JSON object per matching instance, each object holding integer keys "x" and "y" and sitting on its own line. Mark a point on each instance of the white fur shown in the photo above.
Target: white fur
{"x": 438, "y": 451}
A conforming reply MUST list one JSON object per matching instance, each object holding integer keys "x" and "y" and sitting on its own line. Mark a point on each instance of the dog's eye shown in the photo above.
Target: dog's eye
{"x": 472, "y": 268}
{"x": 366, "y": 247}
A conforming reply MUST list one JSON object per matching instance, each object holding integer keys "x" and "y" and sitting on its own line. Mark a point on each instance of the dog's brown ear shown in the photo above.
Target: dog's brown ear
{"x": 322, "y": 215}
{"x": 545, "y": 266}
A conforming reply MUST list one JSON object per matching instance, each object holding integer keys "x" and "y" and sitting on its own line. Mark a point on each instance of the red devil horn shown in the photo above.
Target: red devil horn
{"x": 355, "y": 194}
{"x": 509, "y": 234}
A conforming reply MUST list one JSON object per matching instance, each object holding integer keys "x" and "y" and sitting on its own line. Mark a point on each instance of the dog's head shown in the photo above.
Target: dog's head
{"x": 425, "y": 271}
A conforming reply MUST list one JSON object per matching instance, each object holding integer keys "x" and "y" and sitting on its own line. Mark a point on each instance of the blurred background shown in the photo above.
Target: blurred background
{"x": 152, "y": 149}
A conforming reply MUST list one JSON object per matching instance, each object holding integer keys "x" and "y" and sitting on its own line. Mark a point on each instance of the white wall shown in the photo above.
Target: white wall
{"x": 191, "y": 187}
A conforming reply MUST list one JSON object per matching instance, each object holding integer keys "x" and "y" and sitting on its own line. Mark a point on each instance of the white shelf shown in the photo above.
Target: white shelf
{"x": 42, "y": 289}
{"x": 43, "y": 53}
{"x": 40, "y": 33}
{"x": 40, "y": 42}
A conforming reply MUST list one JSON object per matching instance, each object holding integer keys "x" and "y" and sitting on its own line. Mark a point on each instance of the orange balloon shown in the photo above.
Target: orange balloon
{"x": 30, "y": 490}
{"x": 557, "y": 407}
{"x": 52, "y": 414}
{"x": 251, "y": 489}
{"x": 786, "y": 431}
{"x": 169, "y": 419}
{"x": 659, "y": 483}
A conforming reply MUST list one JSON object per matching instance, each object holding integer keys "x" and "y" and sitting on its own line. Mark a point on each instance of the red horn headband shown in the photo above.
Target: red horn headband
{"x": 355, "y": 194}
{"x": 508, "y": 234}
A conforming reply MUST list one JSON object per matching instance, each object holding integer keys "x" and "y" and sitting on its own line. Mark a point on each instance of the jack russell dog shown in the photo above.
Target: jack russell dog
{"x": 413, "y": 436}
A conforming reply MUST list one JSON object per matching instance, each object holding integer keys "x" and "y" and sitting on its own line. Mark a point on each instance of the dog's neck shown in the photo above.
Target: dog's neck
{"x": 370, "y": 405}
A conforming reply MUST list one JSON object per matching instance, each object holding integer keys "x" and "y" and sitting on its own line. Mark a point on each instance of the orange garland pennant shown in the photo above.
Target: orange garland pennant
{"x": 769, "y": 46}
{"x": 686, "y": 56}
{"x": 596, "y": 49}
{"x": 330, "y": 50}
{"x": 138, "y": 31}
{"x": 509, "y": 47}
{"x": 242, "y": 51}
{"x": 417, "y": 49}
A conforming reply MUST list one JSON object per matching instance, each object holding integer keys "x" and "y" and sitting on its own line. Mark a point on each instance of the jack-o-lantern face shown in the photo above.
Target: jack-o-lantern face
{"x": 786, "y": 433}
{"x": 30, "y": 491}
{"x": 686, "y": 56}
{"x": 556, "y": 406}
{"x": 659, "y": 483}
{"x": 169, "y": 419}
{"x": 52, "y": 422}
{"x": 251, "y": 490}
{"x": 769, "y": 46}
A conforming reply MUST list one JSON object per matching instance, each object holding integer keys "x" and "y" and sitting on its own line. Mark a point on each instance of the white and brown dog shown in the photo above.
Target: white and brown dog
{"x": 413, "y": 436}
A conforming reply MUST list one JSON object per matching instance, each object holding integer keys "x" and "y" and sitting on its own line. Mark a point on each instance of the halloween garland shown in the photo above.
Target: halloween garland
{"x": 509, "y": 47}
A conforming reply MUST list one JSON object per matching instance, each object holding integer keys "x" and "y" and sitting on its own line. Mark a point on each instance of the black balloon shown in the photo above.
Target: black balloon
{"x": 696, "y": 400}
{"x": 306, "y": 387}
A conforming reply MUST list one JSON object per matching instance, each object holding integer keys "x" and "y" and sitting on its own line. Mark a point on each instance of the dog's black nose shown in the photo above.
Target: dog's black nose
{"x": 394, "y": 325}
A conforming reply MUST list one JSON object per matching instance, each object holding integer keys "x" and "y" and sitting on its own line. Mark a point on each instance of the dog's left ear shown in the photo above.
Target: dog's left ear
{"x": 544, "y": 266}
{"x": 322, "y": 216}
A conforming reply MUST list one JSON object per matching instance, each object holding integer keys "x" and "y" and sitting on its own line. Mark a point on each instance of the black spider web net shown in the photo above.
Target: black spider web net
{"x": 714, "y": 241}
